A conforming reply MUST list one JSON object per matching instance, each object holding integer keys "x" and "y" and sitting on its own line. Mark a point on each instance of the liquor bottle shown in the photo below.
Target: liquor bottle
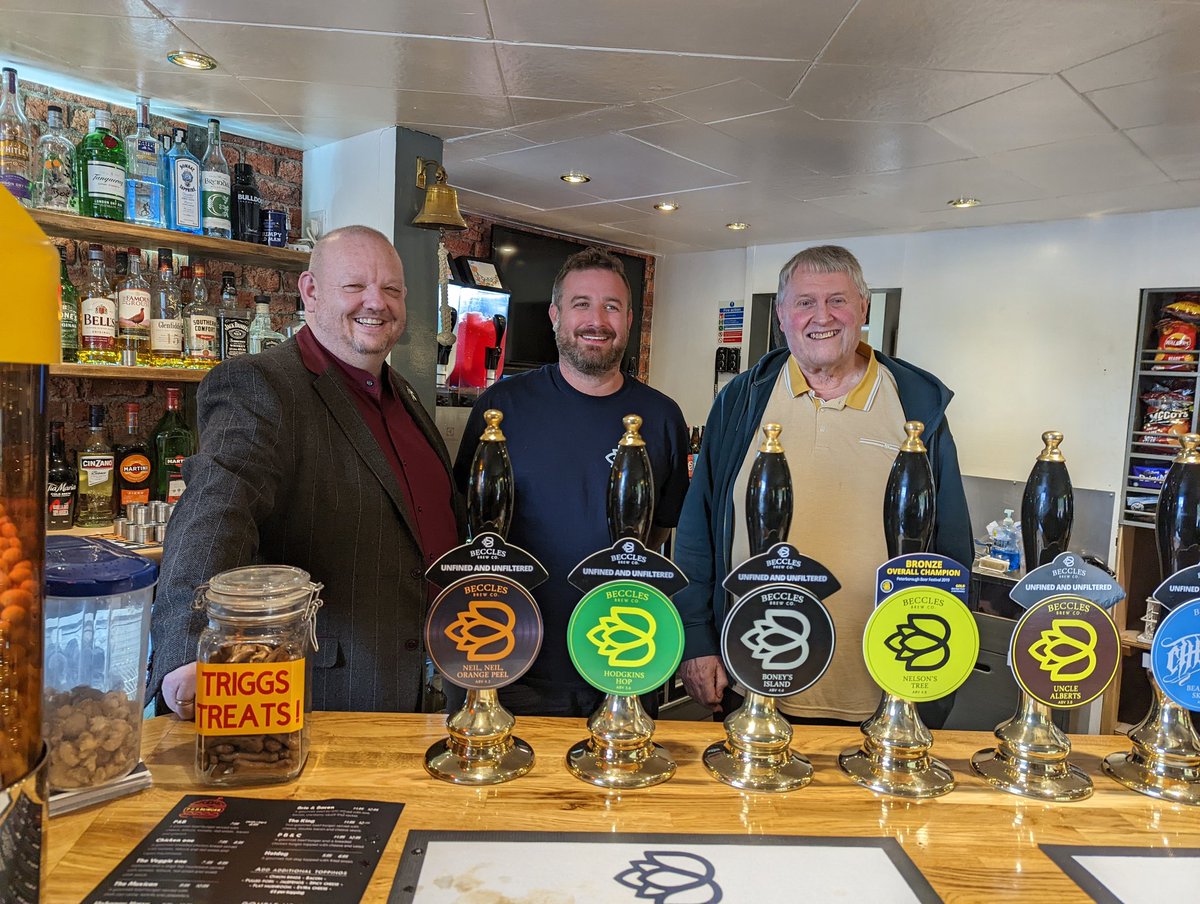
{"x": 97, "y": 314}
{"x": 143, "y": 172}
{"x": 62, "y": 483}
{"x": 171, "y": 443}
{"x": 185, "y": 292}
{"x": 16, "y": 141}
{"x": 234, "y": 319}
{"x": 54, "y": 166}
{"x": 166, "y": 319}
{"x": 296, "y": 323}
{"x": 68, "y": 300}
{"x": 246, "y": 207}
{"x": 1047, "y": 505}
{"x": 100, "y": 171}
{"x": 693, "y": 450}
{"x": 909, "y": 500}
{"x": 95, "y": 506}
{"x": 132, "y": 462}
{"x": 201, "y": 347}
{"x": 133, "y": 312}
{"x": 120, "y": 269}
{"x": 214, "y": 181}
{"x": 183, "y": 186}
{"x": 262, "y": 335}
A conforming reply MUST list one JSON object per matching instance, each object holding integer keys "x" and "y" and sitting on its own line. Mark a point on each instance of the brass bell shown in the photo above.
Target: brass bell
{"x": 440, "y": 210}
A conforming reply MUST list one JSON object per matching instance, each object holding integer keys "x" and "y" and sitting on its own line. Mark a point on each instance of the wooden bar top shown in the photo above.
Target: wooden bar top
{"x": 975, "y": 844}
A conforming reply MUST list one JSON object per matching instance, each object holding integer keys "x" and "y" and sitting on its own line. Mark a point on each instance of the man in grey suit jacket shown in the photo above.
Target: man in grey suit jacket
{"x": 317, "y": 454}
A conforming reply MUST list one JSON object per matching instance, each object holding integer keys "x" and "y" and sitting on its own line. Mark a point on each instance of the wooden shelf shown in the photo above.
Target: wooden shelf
{"x": 116, "y": 372}
{"x": 1129, "y": 639}
{"x": 108, "y": 232}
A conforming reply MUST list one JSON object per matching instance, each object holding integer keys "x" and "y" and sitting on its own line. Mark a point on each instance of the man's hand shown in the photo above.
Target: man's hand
{"x": 179, "y": 690}
{"x": 705, "y": 680}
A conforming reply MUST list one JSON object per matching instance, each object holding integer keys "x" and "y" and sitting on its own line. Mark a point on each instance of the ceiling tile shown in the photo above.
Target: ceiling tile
{"x": 1162, "y": 100}
{"x": 385, "y": 105}
{"x": 837, "y": 148}
{"x": 347, "y": 58}
{"x": 584, "y": 125}
{"x": 1041, "y": 112}
{"x": 880, "y": 94}
{"x": 992, "y": 35}
{"x": 1175, "y": 148}
{"x": 1083, "y": 165}
{"x": 797, "y": 29}
{"x": 204, "y": 92}
{"x": 466, "y": 18}
{"x": 527, "y": 110}
{"x": 929, "y": 188}
{"x": 267, "y": 128}
{"x": 545, "y": 191}
{"x": 886, "y": 215}
{"x": 736, "y": 98}
{"x": 474, "y": 147}
{"x": 135, "y": 8}
{"x": 624, "y": 77}
{"x": 1170, "y": 53}
{"x": 94, "y": 41}
{"x": 620, "y": 167}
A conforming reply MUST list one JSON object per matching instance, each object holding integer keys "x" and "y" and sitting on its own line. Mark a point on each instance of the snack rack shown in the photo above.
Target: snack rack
{"x": 1162, "y": 401}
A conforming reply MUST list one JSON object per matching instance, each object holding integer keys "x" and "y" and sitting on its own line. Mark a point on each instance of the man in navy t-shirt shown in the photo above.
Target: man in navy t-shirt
{"x": 562, "y": 423}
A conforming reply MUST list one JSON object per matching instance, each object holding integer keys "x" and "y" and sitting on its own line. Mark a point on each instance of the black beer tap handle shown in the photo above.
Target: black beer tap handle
{"x": 1047, "y": 505}
{"x": 490, "y": 486}
{"x": 630, "y": 486}
{"x": 768, "y": 494}
{"x": 1177, "y": 521}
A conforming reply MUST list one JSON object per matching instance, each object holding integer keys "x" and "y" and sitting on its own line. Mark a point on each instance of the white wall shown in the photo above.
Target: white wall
{"x": 1032, "y": 326}
{"x": 353, "y": 181}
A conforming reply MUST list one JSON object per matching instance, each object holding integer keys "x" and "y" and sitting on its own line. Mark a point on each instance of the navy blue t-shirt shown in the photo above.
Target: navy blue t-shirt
{"x": 561, "y": 443}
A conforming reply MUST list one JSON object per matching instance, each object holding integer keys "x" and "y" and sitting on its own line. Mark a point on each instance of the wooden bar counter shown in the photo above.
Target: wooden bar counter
{"x": 975, "y": 844}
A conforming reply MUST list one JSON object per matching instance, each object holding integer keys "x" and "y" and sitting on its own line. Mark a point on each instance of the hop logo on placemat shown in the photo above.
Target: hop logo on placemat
{"x": 625, "y": 637}
{"x": 1067, "y": 649}
{"x": 672, "y": 877}
{"x": 922, "y": 642}
{"x": 772, "y": 639}
{"x": 484, "y": 637}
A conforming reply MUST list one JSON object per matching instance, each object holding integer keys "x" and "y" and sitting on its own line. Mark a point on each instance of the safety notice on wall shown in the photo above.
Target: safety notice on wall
{"x": 730, "y": 321}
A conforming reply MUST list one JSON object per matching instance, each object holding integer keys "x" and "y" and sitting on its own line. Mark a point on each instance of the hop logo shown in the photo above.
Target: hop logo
{"x": 785, "y": 552}
{"x": 922, "y": 642}
{"x": 628, "y": 547}
{"x": 672, "y": 877}
{"x": 1067, "y": 650}
{"x": 483, "y": 637}
{"x": 779, "y": 640}
{"x": 488, "y": 542}
{"x": 625, "y": 637}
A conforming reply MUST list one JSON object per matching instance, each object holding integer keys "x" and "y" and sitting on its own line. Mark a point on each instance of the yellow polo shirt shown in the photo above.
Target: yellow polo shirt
{"x": 839, "y": 452}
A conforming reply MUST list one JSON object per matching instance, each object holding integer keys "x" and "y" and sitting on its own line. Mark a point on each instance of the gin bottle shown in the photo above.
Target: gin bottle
{"x": 200, "y": 331}
{"x": 262, "y": 336}
{"x": 97, "y": 314}
{"x": 69, "y": 305}
{"x": 54, "y": 167}
{"x": 133, "y": 312}
{"x": 143, "y": 172}
{"x": 182, "y": 171}
{"x": 100, "y": 171}
{"x": 215, "y": 186}
{"x": 16, "y": 141}
{"x": 166, "y": 321}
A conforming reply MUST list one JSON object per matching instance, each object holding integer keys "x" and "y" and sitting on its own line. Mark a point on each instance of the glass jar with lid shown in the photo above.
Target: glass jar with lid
{"x": 253, "y": 674}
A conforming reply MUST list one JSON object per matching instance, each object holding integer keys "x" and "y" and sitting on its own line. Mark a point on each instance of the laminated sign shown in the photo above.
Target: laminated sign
{"x": 245, "y": 697}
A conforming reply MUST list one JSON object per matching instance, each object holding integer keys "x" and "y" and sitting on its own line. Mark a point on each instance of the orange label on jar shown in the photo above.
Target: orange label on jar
{"x": 249, "y": 698}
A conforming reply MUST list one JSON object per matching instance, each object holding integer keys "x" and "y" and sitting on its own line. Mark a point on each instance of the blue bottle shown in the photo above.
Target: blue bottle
{"x": 182, "y": 178}
{"x": 143, "y": 172}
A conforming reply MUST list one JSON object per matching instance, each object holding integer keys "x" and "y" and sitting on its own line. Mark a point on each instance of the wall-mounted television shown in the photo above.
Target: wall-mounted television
{"x": 528, "y": 263}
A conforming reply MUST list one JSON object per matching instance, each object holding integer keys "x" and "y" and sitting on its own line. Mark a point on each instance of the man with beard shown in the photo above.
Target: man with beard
{"x": 562, "y": 423}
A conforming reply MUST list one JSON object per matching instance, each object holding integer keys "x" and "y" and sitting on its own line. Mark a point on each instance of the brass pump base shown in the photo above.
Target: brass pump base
{"x": 1165, "y": 760}
{"x": 894, "y": 756}
{"x": 481, "y": 749}
{"x": 1031, "y": 758}
{"x": 756, "y": 754}
{"x": 620, "y": 753}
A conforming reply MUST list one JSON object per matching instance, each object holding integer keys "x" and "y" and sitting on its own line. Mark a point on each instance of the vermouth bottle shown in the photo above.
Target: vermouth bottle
{"x": 95, "y": 475}
{"x": 132, "y": 462}
{"x": 172, "y": 442}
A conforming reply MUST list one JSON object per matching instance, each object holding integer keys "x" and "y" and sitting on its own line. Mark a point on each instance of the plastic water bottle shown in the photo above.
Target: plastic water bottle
{"x": 1006, "y": 545}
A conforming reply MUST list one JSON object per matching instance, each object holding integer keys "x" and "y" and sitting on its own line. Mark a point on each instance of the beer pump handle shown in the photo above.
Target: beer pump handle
{"x": 1047, "y": 506}
{"x": 630, "y": 486}
{"x": 769, "y": 494}
{"x": 490, "y": 485}
{"x": 909, "y": 499}
{"x": 1177, "y": 521}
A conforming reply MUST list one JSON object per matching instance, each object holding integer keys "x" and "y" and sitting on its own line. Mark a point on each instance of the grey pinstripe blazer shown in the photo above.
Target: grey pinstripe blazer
{"x": 288, "y": 473}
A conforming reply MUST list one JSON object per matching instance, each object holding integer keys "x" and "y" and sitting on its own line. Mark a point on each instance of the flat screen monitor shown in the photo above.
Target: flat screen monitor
{"x": 528, "y": 264}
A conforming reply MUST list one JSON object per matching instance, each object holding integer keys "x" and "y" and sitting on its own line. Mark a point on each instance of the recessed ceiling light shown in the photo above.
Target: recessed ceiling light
{"x": 575, "y": 178}
{"x": 190, "y": 59}
{"x": 737, "y": 227}
{"x": 666, "y": 206}
{"x": 963, "y": 201}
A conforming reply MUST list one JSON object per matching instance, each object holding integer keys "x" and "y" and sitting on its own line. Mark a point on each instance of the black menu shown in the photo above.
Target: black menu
{"x": 241, "y": 850}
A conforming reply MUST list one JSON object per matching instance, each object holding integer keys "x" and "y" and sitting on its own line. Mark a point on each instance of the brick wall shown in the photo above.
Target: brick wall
{"x": 476, "y": 241}
{"x": 279, "y": 174}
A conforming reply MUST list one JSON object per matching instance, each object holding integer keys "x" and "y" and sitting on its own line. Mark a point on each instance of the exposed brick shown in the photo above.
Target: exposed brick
{"x": 264, "y": 164}
{"x": 264, "y": 280}
{"x": 292, "y": 171}
{"x": 276, "y": 193}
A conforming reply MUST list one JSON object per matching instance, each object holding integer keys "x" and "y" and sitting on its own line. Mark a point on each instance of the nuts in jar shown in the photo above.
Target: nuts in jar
{"x": 94, "y": 737}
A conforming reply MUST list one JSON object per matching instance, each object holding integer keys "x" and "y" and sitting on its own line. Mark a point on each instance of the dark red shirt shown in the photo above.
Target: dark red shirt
{"x": 418, "y": 468}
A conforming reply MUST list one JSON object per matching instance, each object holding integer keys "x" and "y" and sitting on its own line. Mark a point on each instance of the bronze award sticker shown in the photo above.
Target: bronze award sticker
{"x": 921, "y": 643}
{"x": 483, "y": 631}
{"x": 778, "y": 640}
{"x": 1065, "y": 651}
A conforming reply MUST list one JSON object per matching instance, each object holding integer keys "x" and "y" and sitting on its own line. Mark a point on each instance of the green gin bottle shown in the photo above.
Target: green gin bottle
{"x": 100, "y": 168}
